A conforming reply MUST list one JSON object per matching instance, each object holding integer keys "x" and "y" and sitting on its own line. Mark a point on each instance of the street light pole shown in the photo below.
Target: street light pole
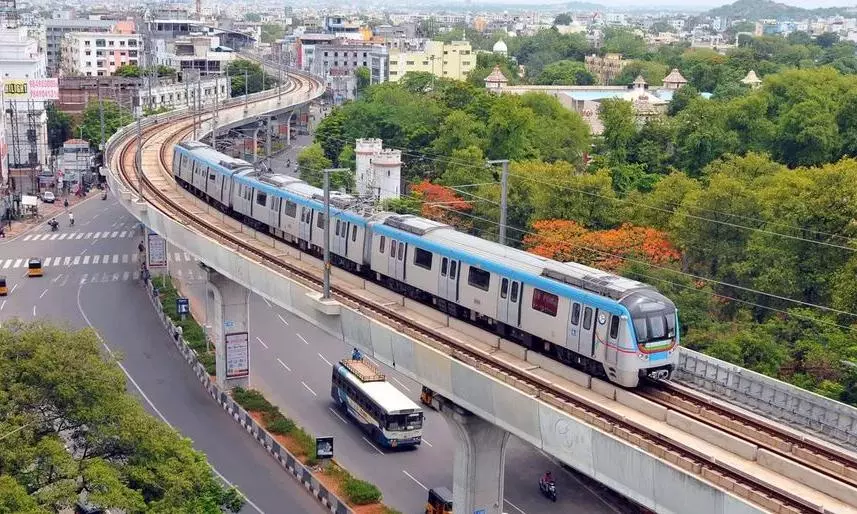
{"x": 504, "y": 191}
{"x": 327, "y": 172}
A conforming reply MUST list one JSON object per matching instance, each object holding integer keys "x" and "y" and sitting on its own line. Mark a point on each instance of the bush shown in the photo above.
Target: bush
{"x": 279, "y": 424}
{"x": 307, "y": 444}
{"x": 208, "y": 362}
{"x": 252, "y": 400}
{"x": 360, "y": 492}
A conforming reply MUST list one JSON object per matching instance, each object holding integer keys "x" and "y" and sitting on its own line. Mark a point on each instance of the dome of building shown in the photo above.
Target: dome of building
{"x": 500, "y": 47}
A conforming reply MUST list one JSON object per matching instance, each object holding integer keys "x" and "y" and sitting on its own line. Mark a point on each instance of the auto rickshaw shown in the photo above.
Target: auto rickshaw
{"x": 3, "y": 290}
{"x": 428, "y": 398}
{"x": 439, "y": 501}
{"x": 34, "y": 267}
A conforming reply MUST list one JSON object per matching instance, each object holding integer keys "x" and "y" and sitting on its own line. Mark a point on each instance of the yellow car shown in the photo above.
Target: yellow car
{"x": 34, "y": 267}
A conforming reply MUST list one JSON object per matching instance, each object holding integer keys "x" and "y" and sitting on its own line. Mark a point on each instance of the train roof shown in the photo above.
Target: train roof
{"x": 209, "y": 154}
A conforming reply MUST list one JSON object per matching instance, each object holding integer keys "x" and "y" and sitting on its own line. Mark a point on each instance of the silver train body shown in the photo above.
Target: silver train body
{"x": 603, "y": 323}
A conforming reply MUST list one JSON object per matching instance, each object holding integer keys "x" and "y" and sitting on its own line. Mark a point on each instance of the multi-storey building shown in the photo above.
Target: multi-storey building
{"x": 90, "y": 54}
{"x": 202, "y": 53}
{"x": 447, "y": 60}
{"x": 55, "y": 31}
{"x": 606, "y": 68}
{"x": 337, "y": 62}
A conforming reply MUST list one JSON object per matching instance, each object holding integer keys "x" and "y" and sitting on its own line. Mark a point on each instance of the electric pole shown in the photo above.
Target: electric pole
{"x": 504, "y": 191}
{"x": 214, "y": 112}
{"x": 327, "y": 172}
{"x": 246, "y": 94}
{"x": 268, "y": 139}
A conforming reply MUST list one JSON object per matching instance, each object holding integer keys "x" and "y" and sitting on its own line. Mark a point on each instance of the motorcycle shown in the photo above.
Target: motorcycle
{"x": 54, "y": 224}
{"x": 548, "y": 489}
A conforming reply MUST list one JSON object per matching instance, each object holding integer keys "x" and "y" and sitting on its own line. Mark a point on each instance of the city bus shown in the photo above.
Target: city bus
{"x": 391, "y": 419}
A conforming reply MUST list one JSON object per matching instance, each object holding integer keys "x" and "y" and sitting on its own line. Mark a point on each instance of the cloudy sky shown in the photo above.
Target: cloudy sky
{"x": 703, "y": 4}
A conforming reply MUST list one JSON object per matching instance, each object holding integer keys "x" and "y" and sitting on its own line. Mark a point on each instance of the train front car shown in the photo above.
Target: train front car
{"x": 650, "y": 341}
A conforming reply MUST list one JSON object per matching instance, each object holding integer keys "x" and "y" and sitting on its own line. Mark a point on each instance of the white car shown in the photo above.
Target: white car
{"x": 48, "y": 197}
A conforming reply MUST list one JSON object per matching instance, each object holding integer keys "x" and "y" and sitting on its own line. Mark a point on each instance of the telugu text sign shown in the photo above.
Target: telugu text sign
{"x": 31, "y": 89}
{"x": 237, "y": 355}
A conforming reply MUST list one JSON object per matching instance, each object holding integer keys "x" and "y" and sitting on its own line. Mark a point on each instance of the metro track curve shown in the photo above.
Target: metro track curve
{"x": 160, "y": 190}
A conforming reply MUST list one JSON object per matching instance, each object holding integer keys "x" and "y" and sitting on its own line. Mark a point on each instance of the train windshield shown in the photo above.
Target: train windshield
{"x": 654, "y": 315}
{"x": 655, "y": 327}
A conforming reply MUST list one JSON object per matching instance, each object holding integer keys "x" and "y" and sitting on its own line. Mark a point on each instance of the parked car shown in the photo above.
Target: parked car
{"x": 48, "y": 197}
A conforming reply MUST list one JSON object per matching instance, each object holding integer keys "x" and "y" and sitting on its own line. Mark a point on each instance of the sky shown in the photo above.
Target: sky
{"x": 702, "y": 4}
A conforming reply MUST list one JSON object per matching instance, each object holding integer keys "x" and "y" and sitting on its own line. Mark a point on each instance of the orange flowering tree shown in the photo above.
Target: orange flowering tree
{"x": 442, "y": 204}
{"x": 566, "y": 240}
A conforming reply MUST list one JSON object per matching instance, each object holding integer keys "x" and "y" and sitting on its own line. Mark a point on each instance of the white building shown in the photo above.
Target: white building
{"x": 91, "y": 54}
{"x": 169, "y": 94}
{"x": 379, "y": 170}
{"x": 202, "y": 53}
{"x": 76, "y": 164}
{"x": 25, "y": 119}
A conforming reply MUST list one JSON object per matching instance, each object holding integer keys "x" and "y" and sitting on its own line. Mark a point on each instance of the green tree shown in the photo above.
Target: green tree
{"x": 509, "y": 130}
{"x": 58, "y": 390}
{"x": 466, "y": 166}
{"x": 311, "y": 163}
{"x": 562, "y": 19}
{"x": 565, "y": 73}
{"x": 115, "y": 117}
{"x": 363, "y": 78}
{"x": 253, "y": 17}
{"x": 620, "y": 127}
{"x": 271, "y": 32}
{"x": 558, "y": 134}
{"x": 459, "y": 130}
{"x": 128, "y": 70}
{"x": 652, "y": 72}
{"x": 682, "y": 99}
{"x": 257, "y": 80}
{"x": 60, "y": 126}
{"x": 625, "y": 42}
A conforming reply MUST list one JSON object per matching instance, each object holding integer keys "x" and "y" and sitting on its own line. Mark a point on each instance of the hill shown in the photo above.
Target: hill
{"x": 767, "y": 9}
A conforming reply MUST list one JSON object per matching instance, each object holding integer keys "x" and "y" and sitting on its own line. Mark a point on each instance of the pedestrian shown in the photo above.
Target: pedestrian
{"x": 65, "y": 203}
{"x": 141, "y": 248}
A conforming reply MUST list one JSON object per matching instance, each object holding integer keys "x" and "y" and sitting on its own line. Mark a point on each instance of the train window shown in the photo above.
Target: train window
{"x": 211, "y": 176}
{"x": 392, "y": 248}
{"x": 443, "y": 265}
{"x": 587, "y": 318}
{"x": 514, "y": 292}
{"x": 641, "y": 330}
{"x": 320, "y": 222}
{"x": 452, "y": 269}
{"x": 383, "y": 243}
{"x": 504, "y": 288}
{"x": 337, "y": 227}
{"x": 478, "y": 278}
{"x": 354, "y": 234}
{"x": 291, "y": 209}
{"x": 422, "y": 258}
{"x": 401, "y": 251}
{"x": 545, "y": 302}
{"x": 575, "y": 314}
{"x": 614, "y": 327}
{"x": 261, "y": 198}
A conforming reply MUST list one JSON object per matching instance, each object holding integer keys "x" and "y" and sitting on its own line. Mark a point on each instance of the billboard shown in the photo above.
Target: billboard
{"x": 157, "y": 251}
{"x": 31, "y": 89}
{"x": 237, "y": 355}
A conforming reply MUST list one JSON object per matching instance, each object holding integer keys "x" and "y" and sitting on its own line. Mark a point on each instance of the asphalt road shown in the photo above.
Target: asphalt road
{"x": 290, "y": 361}
{"x": 107, "y": 295}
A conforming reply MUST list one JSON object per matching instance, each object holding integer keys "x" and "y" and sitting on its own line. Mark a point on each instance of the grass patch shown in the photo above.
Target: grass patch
{"x": 275, "y": 422}
{"x": 192, "y": 331}
{"x": 361, "y": 492}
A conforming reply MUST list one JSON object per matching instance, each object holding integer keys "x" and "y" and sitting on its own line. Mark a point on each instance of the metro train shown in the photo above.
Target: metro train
{"x": 602, "y": 323}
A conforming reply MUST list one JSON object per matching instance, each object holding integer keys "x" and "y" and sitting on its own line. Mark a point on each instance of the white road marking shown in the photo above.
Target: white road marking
{"x": 47, "y": 262}
{"x": 83, "y": 278}
{"x": 308, "y": 388}
{"x": 96, "y": 259}
{"x": 79, "y": 236}
{"x": 427, "y": 443}
{"x": 62, "y": 236}
{"x": 43, "y": 294}
{"x": 126, "y": 275}
{"x": 86, "y": 259}
{"x": 401, "y": 384}
{"x": 177, "y": 257}
{"x": 266, "y": 301}
{"x": 124, "y": 258}
{"x": 151, "y": 404}
{"x": 26, "y": 238}
{"x": 372, "y": 445}
{"x": 105, "y": 259}
{"x": 88, "y": 235}
{"x": 96, "y": 236}
{"x": 514, "y": 506}
{"x": 124, "y": 232}
{"x": 414, "y": 479}
{"x": 115, "y": 276}
{"x": 262, "y": 342}
{"x": 34, "y": 311}
{"x": 115, "y": 258}
{"x": 13, "y": 288}
{"x": 66, "y": 261}
{"x": 76, "y": 261}
{"x": 302, "y": 339}
{"x": 54, "y": 236}
{"x": 325, "y": 360}
{"x": 113, "y": 234}
{"x": 283, "y": 364}
{"x": 2, "y": 305}
{"x": 329, "y": 408}
{"x": 133, "y": 257}
{"x": 283, "y": 320}
{"x": 7, "y": 264}
{"x": 18, "y": 263}
{"x": 56, "y": 279}
{"x": 84, "y": 251}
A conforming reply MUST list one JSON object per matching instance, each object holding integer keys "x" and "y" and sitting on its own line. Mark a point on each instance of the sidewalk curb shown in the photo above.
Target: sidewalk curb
{"x": 286, "y": 460}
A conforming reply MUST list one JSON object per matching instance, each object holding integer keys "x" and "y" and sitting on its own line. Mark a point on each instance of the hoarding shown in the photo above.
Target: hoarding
{"x": 237, "y": 355}
{"x": 31, "y": 89}
{"x": 157, "y": 251}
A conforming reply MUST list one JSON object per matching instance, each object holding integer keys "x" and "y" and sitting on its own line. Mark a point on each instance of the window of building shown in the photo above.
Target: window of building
{"x": 394, "y": 63}
{"x": 409, "y": 63}
{"x": 99, "y": 42}
{"x": 425, "y": 63}
{"x": 478, "y": 278}
{"x": 422, "y": 258}
{"x": 394, "y": 72}
{"x": 545, "y": 302}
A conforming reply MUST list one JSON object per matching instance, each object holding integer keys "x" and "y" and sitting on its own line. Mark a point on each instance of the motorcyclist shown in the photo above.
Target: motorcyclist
{"x": 355, "y": 355}
{"x": 547, "y": 478}
{"x": 71, "y": 218}
{"x": 53, "y": 224}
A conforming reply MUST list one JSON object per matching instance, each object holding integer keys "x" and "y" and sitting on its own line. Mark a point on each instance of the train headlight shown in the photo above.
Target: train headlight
{"x": 643, "y": 356}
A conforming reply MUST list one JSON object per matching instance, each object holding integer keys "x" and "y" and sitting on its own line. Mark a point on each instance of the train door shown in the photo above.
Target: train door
{"x": 587, "y": 332}
{"x": 401, "y": 256}
{"x": 339, "y": 244}
{"x": 305, "y": 229}
{"x": 508, "y": 306}
{"x": 274, "y": 212}
{"x": 447, "y": 282}
{"x": 391, "y": 259}
{"x": 573, "y": 339}
{"x": 612, "y": 351}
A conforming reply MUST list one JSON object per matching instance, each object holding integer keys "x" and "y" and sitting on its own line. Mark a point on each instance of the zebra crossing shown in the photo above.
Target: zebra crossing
{"x": 89, "y": 260}
{"x": 74, "y": 236}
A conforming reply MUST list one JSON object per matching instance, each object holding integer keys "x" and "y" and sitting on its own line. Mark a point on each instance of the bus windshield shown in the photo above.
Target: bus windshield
{"x": 405, "y": 421}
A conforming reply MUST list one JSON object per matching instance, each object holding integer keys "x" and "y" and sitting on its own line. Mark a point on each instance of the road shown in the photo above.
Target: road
{"x": 91, "y": 280}
{"x": 290, "y": 361}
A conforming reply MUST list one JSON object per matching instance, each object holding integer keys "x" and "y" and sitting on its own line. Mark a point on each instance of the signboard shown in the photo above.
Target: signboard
{"x": 237, "y": 355}
{"x": 31, "y": 89}
{"x": 324, "y": 447}
{"x": 182, "y": 306}
{"x": 157, "y": 251}
{"x": 29, "y": 200}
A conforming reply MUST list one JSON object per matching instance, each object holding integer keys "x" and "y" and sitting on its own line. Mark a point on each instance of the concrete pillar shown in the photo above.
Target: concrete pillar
{"x": 480, "y": 459}
{"x": 227, "y": 309}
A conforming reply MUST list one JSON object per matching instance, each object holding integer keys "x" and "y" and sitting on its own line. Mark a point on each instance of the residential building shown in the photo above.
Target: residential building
{"x": 202, "y": 53}
{"x": 605, "y": 69}
{"x": 91, "y": 54}
{"x": 338, "y": 60}
{"x": 76, "y": 164}
{"x": 305, "y": 47}
{"x": 378, "y": 170}
{"x": 447, "y": 60}
{"x": 55, "y": 31}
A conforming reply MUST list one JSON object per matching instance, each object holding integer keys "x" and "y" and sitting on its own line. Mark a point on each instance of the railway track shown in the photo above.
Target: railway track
{"x": 160, "y": 190}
